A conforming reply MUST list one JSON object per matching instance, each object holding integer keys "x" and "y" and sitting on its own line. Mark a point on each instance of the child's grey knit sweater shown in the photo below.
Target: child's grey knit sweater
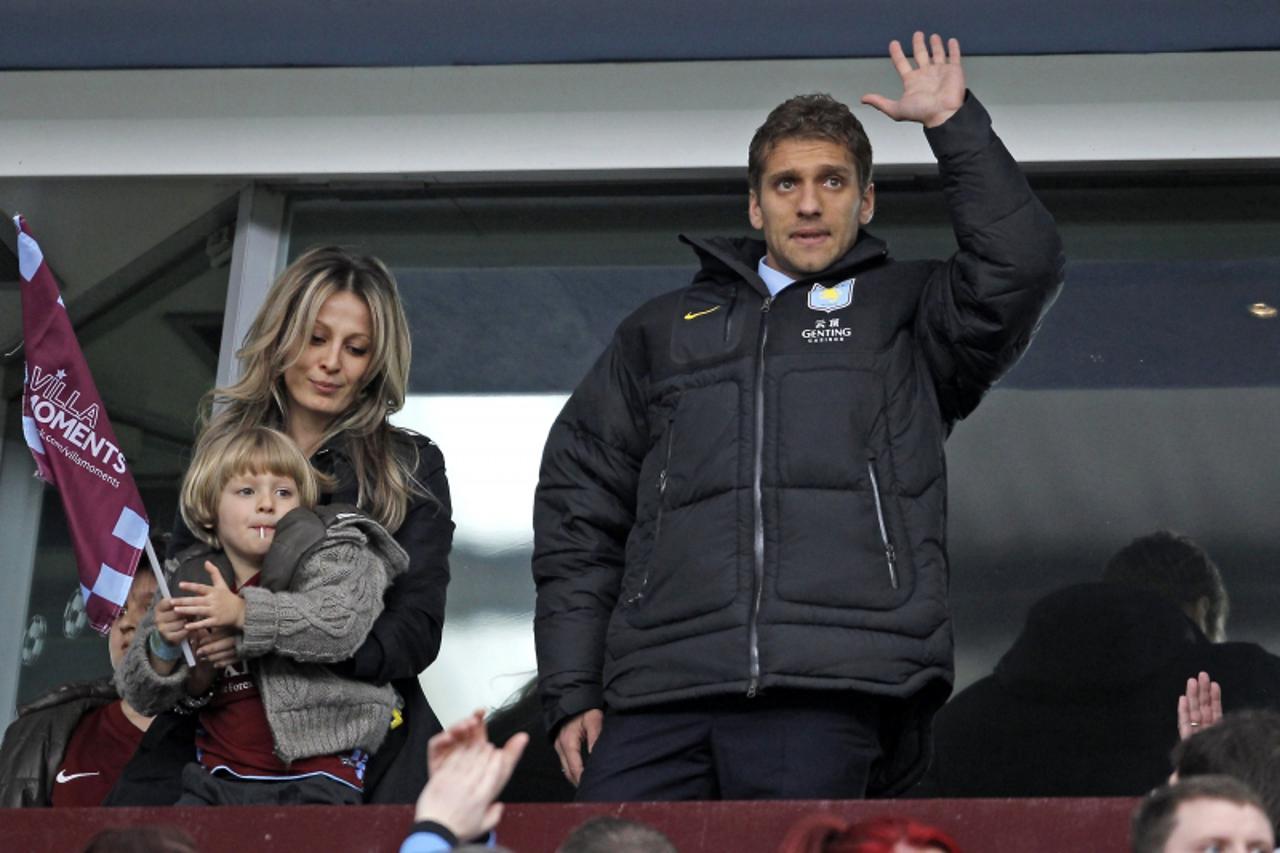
{"x": 321, "y": 590}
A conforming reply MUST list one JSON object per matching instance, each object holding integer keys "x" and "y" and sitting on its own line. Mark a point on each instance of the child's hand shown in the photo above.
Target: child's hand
{"x": 211, "y": 606}
{"x": 218, "y": 647}
{"x": 172, "y": 627}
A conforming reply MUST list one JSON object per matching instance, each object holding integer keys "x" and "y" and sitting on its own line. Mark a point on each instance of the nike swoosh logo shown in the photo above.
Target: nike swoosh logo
{"x": 693, "y": 315}
{"x": 63, "y": 776}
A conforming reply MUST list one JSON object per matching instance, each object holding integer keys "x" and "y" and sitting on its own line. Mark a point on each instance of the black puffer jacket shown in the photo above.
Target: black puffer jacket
{"x": 749, "y": 493}
{"x": 35, "y": 743}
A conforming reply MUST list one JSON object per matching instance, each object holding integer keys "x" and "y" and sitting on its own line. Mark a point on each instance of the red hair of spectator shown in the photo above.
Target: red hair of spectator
{"x": 828, "y": 833}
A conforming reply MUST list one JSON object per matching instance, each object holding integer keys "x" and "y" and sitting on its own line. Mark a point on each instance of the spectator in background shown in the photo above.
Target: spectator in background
{"x": 616, "y": 835}
{"x": 68, "y": 746}
{"x": 1244, "y": 745}
{"x": 1207, "y": 813}
{"x": 1177, "y": 568}
{"x": 1089, "y": 685}
{"x": 1180, "y": 570}
{"x": 828, "y": 833}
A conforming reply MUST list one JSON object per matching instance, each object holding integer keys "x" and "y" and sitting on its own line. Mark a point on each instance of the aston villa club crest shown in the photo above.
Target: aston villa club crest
{"x": 833, "y": 298}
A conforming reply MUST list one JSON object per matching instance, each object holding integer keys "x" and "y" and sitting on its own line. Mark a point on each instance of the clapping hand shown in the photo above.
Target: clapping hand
{"x": 467, "y": 776}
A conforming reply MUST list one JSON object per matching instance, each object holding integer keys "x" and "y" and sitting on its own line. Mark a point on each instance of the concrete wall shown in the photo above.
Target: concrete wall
{"x": 452, "y": 123}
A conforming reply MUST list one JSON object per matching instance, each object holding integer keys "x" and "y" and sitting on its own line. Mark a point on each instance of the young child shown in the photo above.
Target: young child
{"x": 286, "y": 592}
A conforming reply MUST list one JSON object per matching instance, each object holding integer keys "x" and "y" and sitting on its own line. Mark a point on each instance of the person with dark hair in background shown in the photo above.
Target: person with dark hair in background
{"x": 1179, "y": 569}
{"x": 1206, "y": 813}
{"x": 615, "y": 835}
{"x": 68, "y": 747}
{"x": 1244, "y": 745}
{"x": 1083, "y": 704}
{"x": 828, "y": 833}
{"x": 739, "y": 520}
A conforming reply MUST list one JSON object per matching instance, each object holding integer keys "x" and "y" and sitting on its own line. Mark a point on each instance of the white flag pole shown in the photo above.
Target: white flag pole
{"x": 164, "y": 593}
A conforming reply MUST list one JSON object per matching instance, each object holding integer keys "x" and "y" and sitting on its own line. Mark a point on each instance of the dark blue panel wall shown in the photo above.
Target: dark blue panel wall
{"x": 252, "y": 33}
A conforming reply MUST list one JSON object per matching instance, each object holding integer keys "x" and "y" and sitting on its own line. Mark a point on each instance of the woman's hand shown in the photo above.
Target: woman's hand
{"x": 200, "y": 678}
{"x": 212, "y": 606}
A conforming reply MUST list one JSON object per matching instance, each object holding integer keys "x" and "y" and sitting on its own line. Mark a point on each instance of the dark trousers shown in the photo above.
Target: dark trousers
{"x": 788, "y": 746}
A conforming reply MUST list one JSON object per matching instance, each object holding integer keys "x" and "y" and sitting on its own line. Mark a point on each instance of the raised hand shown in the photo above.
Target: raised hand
{"x": 460, "y": 793}
{"x": 1200, "y": 706}
{"x": 933, "y": 90}
{"x": 213, "y": 605}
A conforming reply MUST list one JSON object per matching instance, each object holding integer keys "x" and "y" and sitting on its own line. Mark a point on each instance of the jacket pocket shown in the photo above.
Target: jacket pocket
{"x": 637, "y": 591}
{"x": 837, "y": 548}
{"x": 686, "y": 563}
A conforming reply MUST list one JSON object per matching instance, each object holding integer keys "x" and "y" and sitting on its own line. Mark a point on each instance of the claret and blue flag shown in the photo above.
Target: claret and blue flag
{"x": 66, "y": 427}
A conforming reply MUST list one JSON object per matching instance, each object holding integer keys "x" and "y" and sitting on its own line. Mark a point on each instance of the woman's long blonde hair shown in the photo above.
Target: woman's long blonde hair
{"x": 384, "y": 461}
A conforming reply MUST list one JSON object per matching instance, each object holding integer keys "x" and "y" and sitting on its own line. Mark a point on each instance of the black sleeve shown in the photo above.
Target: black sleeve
{"x": 29, "y": 757}
{"x": 584, "y": 508}
{"x": 406, "y": 638}
{"x": 153, "y": 777}
{"x": 981, "y": 307}
{"x": 1248, "y": 673}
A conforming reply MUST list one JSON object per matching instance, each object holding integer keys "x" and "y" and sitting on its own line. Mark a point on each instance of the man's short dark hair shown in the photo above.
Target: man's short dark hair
{"x": 816, "y": 116}
{"x": 615, "y": 835}
{"x": 1179, "y": 569}
{"x": 1157, "y": 816}
{"x": 1243, "y": 744}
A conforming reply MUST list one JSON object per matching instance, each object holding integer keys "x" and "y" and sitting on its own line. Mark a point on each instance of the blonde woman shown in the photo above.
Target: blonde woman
{"x": 326, "y": 361}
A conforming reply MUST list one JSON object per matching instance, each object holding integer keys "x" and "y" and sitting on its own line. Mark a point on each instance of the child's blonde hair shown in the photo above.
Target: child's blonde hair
{"x": 253, "y": 450}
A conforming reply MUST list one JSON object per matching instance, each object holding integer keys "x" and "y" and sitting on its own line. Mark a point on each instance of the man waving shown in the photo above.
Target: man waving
{"x": 740, "y": 517}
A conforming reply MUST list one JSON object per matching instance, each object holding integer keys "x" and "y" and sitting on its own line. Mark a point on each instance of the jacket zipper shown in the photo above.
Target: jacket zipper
{"x": 890, "y": 555}
{"x": 728, "y": 316}
{"x": 657, "y": 525}
{"x": 753, "y": 632}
